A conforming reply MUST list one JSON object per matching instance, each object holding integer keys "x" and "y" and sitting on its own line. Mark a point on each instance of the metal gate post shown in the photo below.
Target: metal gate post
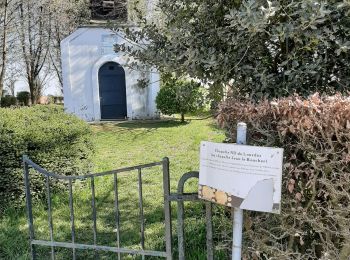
{"x": 209, "y": 226}
{"x": 181, "y": 197}
{"x": 29, "y": 207}
{"x": 167, "y": 208}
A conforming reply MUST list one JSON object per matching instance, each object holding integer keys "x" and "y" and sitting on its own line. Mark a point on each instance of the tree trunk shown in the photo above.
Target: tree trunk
{"x": 182, "y": 117}
{"x": 33, "y": 97}
{"x": 1, "y": 88}
{"x": 1, "y": 84}
{"x": 3, "y": 50}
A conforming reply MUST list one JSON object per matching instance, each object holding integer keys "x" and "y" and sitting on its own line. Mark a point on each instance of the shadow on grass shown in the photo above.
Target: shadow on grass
{"x": 139, "y": 128}
{"x": 152, "y": 124}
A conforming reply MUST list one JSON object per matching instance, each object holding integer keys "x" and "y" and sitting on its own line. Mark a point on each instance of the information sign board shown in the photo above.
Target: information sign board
{"x": 241, "y": 176}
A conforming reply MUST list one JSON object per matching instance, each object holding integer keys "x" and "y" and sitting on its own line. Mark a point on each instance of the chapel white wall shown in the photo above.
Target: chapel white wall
{"x": 83, "y": 54}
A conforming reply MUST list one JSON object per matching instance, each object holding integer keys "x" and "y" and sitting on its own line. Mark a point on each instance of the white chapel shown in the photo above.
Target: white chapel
{"x": 98, "y": 84}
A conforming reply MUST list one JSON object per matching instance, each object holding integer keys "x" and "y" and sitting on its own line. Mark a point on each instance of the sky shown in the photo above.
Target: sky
{"x": 52, "y": 87}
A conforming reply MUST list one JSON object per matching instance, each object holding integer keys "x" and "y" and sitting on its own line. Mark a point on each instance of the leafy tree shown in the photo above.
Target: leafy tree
{"x": 263, "y": 48}
{"x": 179, "y": 96}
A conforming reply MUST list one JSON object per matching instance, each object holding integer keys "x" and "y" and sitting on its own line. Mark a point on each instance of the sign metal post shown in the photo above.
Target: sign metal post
{"x": 238, "y": 213}
{"x": 242, "y": 177}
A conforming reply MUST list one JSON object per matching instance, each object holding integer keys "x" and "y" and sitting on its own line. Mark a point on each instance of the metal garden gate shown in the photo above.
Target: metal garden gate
{"x": 180, "y": 197}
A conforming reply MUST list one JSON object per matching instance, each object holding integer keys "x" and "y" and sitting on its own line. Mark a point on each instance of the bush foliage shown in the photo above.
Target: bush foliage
{"x": 315, "y": 133}
{"x": 179, "y": 96}
{"x": 23, "y": 98}
{"x": 8, "y": 101}
{"x": 57, "y": 141}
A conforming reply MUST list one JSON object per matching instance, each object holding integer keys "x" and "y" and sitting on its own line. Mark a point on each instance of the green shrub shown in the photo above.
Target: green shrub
{"x": 8, "y": 101}
{"x": 179, "y": 96}
{"x": 23, "y": 98}
{"x": 59, "y": 142}
{"x": 314, "y": 132}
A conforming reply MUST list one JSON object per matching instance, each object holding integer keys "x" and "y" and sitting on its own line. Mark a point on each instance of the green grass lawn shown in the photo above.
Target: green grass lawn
{"x": 120, "y": 145}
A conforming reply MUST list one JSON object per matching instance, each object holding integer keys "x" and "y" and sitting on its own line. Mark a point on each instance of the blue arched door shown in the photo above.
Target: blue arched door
{"x": 112, "y": 88}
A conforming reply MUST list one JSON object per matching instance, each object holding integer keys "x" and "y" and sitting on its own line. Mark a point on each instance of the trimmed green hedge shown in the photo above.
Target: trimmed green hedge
{"x": 8, "y": 101}
{"x": 55, "y": 140}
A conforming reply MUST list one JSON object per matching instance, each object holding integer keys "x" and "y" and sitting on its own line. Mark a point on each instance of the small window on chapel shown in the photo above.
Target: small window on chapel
{"x": 109, "y": 10}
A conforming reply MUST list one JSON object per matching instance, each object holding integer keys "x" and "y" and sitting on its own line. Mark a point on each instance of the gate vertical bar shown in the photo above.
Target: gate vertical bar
{"x": 167, "y": 208}
{"x": 238, "y": 213}
{"x": 209, "y": 226}
{"x": 50, "y": 215}
{"x": 71, "y": 208}
{"x": 116, "y": 205}
{"x": 29, "y": 207}
{"x": 180, "y": 228}
{"x": 93, "y": 205}
{"x": 142, "y": 230}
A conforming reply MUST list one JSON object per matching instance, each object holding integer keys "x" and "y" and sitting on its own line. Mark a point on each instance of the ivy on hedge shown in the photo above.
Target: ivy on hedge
{"x": 59, "y": 142}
